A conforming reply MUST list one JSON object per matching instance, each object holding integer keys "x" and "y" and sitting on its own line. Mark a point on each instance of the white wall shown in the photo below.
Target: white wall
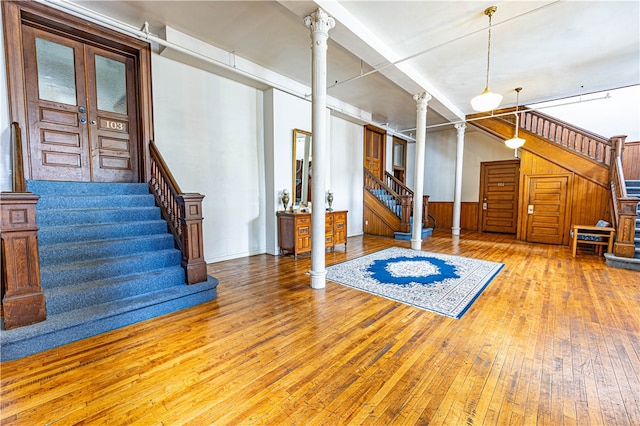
{"x": 346, "y": 181}
{"x": 440, "y": 162}
{"x": 209, "y": 130}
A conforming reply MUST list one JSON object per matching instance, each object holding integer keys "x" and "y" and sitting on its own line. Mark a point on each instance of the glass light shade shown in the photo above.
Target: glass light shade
{"x": 514, "y": 143}
{"x": 486, "y": 101}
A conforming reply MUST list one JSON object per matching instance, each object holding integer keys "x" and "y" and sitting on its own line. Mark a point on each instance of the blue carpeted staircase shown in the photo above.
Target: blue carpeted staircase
{"x": 633, "y": 190}
{"x": 392, "y": 204}
{"x": 106, "y": 261}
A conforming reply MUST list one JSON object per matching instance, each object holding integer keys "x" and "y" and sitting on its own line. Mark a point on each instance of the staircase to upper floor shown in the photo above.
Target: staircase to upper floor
{"x": 106, "y": 260}
{"x": 388, "y": 207}
{"x": 588, "y": 155}
{"x": 633, "y": 190}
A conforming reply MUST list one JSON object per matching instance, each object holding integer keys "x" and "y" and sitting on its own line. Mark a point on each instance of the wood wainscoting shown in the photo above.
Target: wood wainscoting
{"x": 442, "y": 211}
{"x": 552, "y": 340}
{"x": 631, "y": 161}
{"x": 586, "y": 201}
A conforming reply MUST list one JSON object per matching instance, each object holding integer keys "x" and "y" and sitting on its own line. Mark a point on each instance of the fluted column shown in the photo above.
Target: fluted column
{"x": 319, "y": 23}
{"x": 421, "y": 132}
{"x": 457, "y": 196}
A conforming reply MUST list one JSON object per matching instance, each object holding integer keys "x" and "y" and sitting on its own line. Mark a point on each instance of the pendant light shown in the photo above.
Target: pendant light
{"x": 487, "y": 100}
{"x": 515, "y": 142}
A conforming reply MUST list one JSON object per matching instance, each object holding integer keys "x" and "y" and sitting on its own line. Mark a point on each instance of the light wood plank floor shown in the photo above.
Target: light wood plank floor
{"x": 553, "y": 340}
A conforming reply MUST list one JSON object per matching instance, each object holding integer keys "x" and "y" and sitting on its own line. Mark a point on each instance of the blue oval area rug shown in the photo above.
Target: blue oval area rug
{"x": 439, "y": 283}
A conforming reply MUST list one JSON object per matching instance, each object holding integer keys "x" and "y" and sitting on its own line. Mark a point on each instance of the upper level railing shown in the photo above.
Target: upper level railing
{"x": 183, "y": 213}
{"x": 571, "y": 137}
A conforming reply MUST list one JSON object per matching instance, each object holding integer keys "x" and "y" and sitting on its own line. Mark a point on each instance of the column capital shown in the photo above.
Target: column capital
{"x": 319, "y": 21}
{"x": 422, "y": 98}
{"x": 460, "y": 126}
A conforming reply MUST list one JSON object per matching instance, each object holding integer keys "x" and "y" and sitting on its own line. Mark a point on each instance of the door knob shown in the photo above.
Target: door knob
{"x": 93, "y": 122}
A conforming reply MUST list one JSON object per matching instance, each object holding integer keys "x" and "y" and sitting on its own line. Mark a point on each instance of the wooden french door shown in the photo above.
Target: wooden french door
{"x": 499, "y": 195}
{"x": 81, "y": 109}
{"x": 546, "y": 209}
{"x": 374, "y": 146}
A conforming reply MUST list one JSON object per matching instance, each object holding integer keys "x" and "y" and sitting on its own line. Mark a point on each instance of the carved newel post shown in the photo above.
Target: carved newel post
{"x": 22, "y": 297}
{"x": 319, "y": 23}
{"x": 191, "y": 237}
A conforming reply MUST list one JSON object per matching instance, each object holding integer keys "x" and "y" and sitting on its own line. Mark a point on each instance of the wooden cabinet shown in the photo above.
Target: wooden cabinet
{"x": 294, "y": 231}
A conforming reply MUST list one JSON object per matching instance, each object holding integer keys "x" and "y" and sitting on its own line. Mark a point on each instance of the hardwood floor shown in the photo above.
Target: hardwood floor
{"x": 552, "y": 340}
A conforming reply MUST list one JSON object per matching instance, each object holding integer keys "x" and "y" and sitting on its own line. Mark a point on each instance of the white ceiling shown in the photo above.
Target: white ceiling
{"x": 552, "y": 49}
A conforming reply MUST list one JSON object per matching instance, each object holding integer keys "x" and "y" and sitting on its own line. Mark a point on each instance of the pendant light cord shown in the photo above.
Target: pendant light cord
{"x": 489, "y": 12}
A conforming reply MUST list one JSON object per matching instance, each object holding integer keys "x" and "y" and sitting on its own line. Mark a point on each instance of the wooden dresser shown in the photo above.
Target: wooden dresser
{"x": 294, "y": 231}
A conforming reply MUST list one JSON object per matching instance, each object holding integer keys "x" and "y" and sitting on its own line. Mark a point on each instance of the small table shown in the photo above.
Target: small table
{"x": 599, "y": 236}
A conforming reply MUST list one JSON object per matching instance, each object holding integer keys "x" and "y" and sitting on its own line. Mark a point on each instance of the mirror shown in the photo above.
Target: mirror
{"x": 301, "y": 167}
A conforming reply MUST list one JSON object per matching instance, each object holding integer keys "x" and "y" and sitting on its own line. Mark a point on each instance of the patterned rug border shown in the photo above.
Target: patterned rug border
{"x": 462, "y": 292}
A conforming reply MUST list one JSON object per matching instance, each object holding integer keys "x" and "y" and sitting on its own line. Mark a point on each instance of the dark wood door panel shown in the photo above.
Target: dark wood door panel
{"x": 499, "y": 192}
{"x": 546, "y": 209}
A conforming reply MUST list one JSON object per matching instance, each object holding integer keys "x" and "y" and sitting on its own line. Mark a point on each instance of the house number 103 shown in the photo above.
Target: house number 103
{"x": 113, "y": 125}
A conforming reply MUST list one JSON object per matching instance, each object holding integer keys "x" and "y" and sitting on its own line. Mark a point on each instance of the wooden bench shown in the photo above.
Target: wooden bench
{"x": 598, "y": 236}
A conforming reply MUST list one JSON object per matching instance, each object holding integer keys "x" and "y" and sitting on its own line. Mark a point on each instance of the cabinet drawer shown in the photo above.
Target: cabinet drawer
{"x": 303, "y": 230}
{"x": 303, "y": 220}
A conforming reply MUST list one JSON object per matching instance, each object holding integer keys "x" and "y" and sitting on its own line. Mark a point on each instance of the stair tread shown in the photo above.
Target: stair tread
{"x": 88, "y": 285}
{"x": 105, "y": 241}
{"x": 91, "y": 225}
{"x": 106, "y": 260}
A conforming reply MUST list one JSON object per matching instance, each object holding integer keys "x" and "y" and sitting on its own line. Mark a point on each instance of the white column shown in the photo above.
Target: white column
{"x": 457, "y": 197}
{"x": 319, "y": 23}
{"x": 421, "y": 133}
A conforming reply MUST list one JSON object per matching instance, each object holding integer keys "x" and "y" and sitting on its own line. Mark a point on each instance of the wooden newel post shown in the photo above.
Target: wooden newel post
{"x": 425, "y": 210}
{"x": 624, "y": 245}
{"x": 22, "y": 297}
{"x": 191, "y": 237}
{"x": 405, "y": 221}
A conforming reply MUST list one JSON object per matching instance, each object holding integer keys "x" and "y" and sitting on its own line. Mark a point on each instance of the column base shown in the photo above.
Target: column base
{"x": 455, "y": 231}
{"x": 416, "y": 244}
{"x": 318, "y": 279}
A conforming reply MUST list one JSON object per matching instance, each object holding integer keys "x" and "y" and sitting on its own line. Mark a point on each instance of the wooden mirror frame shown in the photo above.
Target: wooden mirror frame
{"x": 301, "y": 176}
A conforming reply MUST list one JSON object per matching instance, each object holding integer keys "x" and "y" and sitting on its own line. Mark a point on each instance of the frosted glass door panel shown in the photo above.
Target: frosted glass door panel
{"x": 56, "y": 72}
{"x": 111, "y": 85}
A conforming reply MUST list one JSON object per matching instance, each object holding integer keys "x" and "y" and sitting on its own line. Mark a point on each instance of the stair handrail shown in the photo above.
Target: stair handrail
{"x": 591, "y": 145}
{"x": 397, "y": 185}
{"x": 372, "y": 182}
{"x": 19, "y": 183}
{"x": 624, "y": 208}
{"x": 183, "y": 213}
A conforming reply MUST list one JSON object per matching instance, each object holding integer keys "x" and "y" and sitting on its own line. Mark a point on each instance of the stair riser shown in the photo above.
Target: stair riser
{"x": 64, "y": 301}
{"x": 79, "y": 272}
{"x": 50, "y": 202}
{"x": 58, "y": 254}
{"x": 84, "y": 217}
{"x": 62, "y": 235}
{"x": 86, "y": 188}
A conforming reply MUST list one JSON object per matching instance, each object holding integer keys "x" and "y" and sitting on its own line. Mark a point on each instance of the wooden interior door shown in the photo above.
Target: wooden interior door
{"x": 374, "y": 146}
{"x": 499, "y": 195}
{"x": 546, "y": 209}
{"x": 81, "y": 109}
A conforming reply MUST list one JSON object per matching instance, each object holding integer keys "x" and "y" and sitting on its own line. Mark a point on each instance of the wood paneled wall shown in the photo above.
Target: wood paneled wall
{"x": 587, "y": 202}
{"x": 442, "y": 211}
{"x": 631, "y": 161}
